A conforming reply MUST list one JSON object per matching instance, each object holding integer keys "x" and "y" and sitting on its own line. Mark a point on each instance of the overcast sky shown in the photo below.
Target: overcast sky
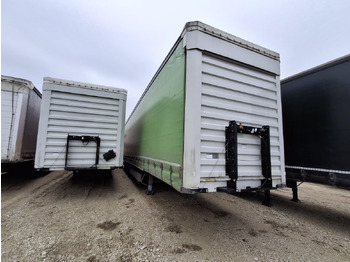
{"x": 122, "y": 43}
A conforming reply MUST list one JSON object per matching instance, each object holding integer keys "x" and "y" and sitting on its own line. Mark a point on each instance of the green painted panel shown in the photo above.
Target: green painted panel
{"x": 155, "y": 129}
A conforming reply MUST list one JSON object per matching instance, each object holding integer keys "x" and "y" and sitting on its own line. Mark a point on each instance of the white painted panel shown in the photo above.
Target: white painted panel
{"x": 87, "y": 119}
{"x": 191, "y": 163}
{"x": 232, "y": 91}
{"x": 8, "y": 113}
{"x": 20, "y": 101}
{"x": 14, "y": 127}
{"x": 88, "y": 113}
{"x": 233, "y": 50}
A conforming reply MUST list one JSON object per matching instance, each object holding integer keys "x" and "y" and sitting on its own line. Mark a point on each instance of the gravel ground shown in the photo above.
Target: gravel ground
{"x": 107, "y": 217}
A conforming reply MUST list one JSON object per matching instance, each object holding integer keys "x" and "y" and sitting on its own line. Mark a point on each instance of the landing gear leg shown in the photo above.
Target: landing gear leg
{"x": 267, "y": 198}
{"x": 149, "y": 190}
{"x": 295, "y": 191}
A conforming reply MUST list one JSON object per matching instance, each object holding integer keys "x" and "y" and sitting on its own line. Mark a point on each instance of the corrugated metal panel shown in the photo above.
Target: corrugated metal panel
{"x": 8, "y": 111}
{"x": 79, "y": 114}
{"x": 230, "y": 92}
{"x": 20, "y": 102}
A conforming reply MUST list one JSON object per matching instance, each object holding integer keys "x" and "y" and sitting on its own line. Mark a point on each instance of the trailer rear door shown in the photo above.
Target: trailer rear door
{"x": 232, "y": 91}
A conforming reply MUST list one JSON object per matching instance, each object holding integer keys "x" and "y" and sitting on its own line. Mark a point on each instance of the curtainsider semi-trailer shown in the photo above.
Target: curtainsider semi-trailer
{"x": 20, "y": 108}
{"x": 316, "y": 125}
{"x": 81, "y": 126}
{"x": 210, "y": 120}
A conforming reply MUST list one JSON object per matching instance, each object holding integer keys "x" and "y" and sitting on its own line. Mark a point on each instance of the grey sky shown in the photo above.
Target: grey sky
{"x": 122, "y": 43}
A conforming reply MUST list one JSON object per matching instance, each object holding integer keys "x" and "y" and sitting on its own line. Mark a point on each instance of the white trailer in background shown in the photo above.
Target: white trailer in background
{"x": 81, "y": 126}
{"x": 20, "y": 108}
{"x": 210, "y": 120}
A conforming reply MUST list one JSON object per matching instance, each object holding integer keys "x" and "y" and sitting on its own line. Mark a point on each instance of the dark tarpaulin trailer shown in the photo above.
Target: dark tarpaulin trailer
{"x": 316, "y": 114}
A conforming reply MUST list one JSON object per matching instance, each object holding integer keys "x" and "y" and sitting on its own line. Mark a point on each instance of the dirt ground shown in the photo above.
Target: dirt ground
{"x": 101, "y": 217}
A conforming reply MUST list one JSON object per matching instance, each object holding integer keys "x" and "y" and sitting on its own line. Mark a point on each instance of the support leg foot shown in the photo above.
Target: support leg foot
{"x": 267, "y": 198}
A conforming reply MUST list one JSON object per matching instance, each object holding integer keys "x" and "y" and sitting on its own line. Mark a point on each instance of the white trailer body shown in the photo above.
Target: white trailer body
{"x": 228, "y": 84}
{"x": 20, "y": 109}
{"x": 81, "y": 126}
{"x": 239, "y": 81}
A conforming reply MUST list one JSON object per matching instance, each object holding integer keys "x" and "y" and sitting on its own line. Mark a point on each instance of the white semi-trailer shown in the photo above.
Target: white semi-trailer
{"x": 210, "y": 119}
{"x": 20, "y": 109}
{"x": 81, "y": 126}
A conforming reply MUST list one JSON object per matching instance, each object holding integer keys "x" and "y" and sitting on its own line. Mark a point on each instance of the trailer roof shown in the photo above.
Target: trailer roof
{"x": 84, "y": 85}
{"x": 315, "y": 69}
{"x": 20, "y": 82}
{"x": 197, "y": 25}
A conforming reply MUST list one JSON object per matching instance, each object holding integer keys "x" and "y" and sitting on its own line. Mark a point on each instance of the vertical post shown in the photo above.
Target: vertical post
{"x": 98, "y": 142}
{"x": 67, "y": 146}
{"x": 295, "y": 191}
{"x": 266, "y": 156}
{"x": 267, "y": 198}
{"x": 192, "y": 121}
{"x": 149, "y": 190}
{"x": 231, "y": 154}
{"x": 293, "y": 184}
